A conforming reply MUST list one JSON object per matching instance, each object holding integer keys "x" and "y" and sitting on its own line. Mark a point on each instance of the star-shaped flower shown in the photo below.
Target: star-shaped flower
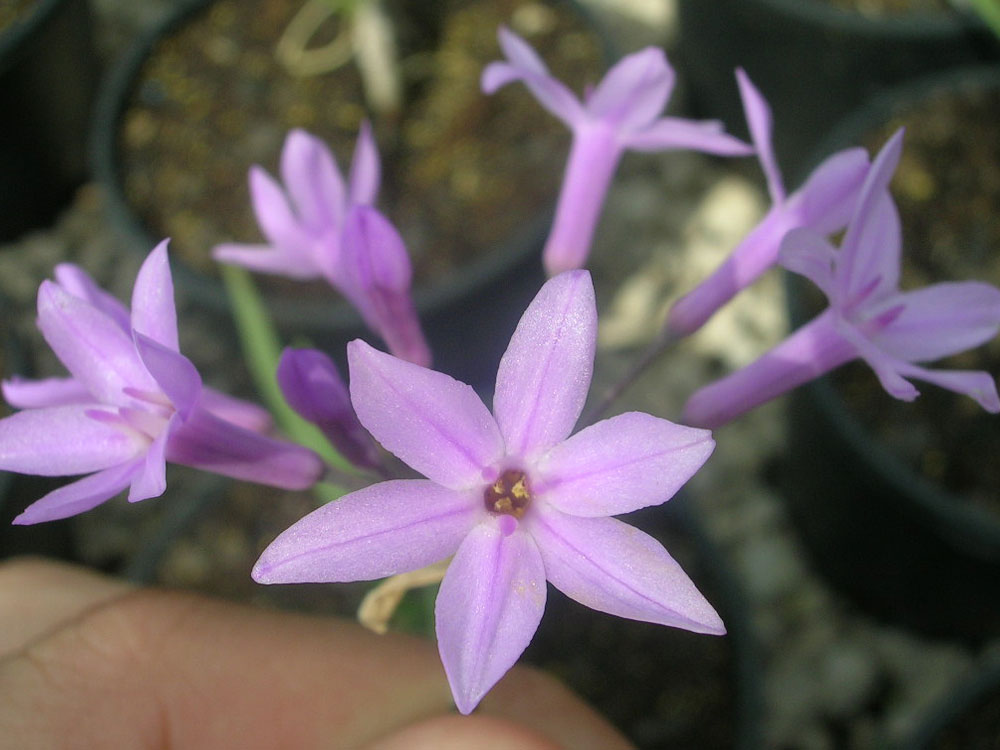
{"x": 132, "y": 404}
{"x": 324, "y": 229}
{"x": 868, "y": 317}
{"x": 509, "y": 494}
{"x": 823, "y": 203}
{"x": 622, "y": 112}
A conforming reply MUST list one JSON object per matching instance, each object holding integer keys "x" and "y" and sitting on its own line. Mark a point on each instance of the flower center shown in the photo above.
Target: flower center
{"x": 509, "y": 494}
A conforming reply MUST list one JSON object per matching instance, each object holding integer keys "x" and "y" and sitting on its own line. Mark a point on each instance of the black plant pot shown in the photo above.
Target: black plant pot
{"x": 468, "y": 316}
{"x": 813, "y": 61}
{"x": 907, "y": 548}
{"x": 48, "y": 76}
{"x": 968, "y": 718}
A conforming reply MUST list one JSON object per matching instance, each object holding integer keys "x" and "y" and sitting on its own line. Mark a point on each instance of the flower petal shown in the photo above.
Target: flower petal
{"x": 940, "y": 320}
{"x": 827, "y": 198}
{"x": 431, "y": 421}
{"x": 275, "y": 217}
{"x": 806, "y": 253}
{"x": 976, "y": 384}
{"x": 676, "y": 132}
{"x": 366, "y": 168}
{"x": 91, "y": 345}
{"x": 153, "y": 311}
{"x": 759, "y": 122}
{"x": 612, "y": 567}
{"x": 63, "y": 440}
{"x": 80, "y": 496}
{"x": 265, "y": 259}
{"x": 544, "y": 375}
{"x": 79, "y": 283}
{"x": 313, "y": 180}
{"x": 150, "y": 480}
{"x": 488, "y": 608}
{"x": 886, "y": 368}
{"x": 525, "y": 65}
{"x": 173, "y": 372}
{"x": 634, "y": 91}
{"x": 22, "y": 393}
{"x": 856, "y": 269}
{"x": 387, "y": 528}
{"x": 206, "y": 442}
{"x": 621, "y": 464}
{"x": 241, "y": 413}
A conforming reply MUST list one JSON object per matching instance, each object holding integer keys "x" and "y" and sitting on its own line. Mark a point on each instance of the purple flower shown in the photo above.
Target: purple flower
{"x": 621, "y": 113}
{"x": 312, "y": 386}
{"x": 510, "y": 495}
{"x": 132, "y": 404}
{"x": 823, "y": 203}
{"x": 322, "y": 229}
{"x": 869, "y": 317}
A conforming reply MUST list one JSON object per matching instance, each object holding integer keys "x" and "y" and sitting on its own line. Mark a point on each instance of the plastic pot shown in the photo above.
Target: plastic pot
{"x": 968, "y": 718}
{"x": 907, "y": 548}
{"x": 468, "y": 315}
{"x": 48, "y": 76}
{"x": 814, "y": 61}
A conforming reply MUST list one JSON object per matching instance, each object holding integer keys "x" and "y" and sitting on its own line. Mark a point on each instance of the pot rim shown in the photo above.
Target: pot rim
{"x": 14, "y": 36}
{"x": 974, "y": 529}
{"x": 929, "y": 25}
{"x": 518, "y": 251}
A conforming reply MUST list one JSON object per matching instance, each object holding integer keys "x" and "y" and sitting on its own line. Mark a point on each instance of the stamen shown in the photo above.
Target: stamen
{"x": 509, "y": 494}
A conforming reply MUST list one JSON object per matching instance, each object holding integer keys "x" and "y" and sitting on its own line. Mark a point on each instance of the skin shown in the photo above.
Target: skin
{"x": 87, "y": 661}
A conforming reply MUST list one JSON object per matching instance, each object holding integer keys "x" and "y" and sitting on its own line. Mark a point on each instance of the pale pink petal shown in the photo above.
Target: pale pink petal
{"x": 525, "y": 65}
{"x": 544, "y": 375}
{"x": 940, "y": 320}
{"x": 387, "y": 528}
{"x": 313, "y": 180}
{"x": 150, "y": 479}
{"x": 976, "y": 384}
{"x": 759, "y": 122}
{"x": 489, "y": 606}
{"x": 612, "y": 567}
{"x": 80, "y": 496}
{"x": 827, "y": 199}
{"x": 153, "y": 311}
{"x": 876, "y": 259}
{"x": 854, "y": 267}
{"x": 806, "y": 253}
{"x": 91, "y": 345}
{"x": 675, "y": 132}
{"x": 621, "y": 464}
{"x": 886, "y": 368}
{"x": 206, "y": 442}
{"x": 63, "y": 440}
{"x": 241, "y": 413}
{"x": 79, "y": 283}
{"x": 33, "y": 394}
{"x": 432, "y": 422}
{"x": 265, "y": 259}
{"x": 366, "y": 168}
{"x": 173, "y": 372}
{"x": 634, "y": 91}
{"x": 275, "y": 217}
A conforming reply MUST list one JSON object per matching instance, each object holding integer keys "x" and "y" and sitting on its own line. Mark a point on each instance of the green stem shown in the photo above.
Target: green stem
{"x": 989, "y": 11}
{"x": 262, "y": 350}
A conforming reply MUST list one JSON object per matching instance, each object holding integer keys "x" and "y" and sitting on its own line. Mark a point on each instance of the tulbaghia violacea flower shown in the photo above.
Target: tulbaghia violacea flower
{"x": 622, "y": 112}
{"x": 312, "y": 386}
{"x": 132, "y": 404}
{"x": 823, "y": 204}
{"x": 868, "y": 317}
{"x": 509, "y": 494}
{"x": 311, "y": 228}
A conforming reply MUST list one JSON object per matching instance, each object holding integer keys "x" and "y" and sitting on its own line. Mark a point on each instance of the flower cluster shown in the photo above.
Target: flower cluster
{"x": 510, "y": 495}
